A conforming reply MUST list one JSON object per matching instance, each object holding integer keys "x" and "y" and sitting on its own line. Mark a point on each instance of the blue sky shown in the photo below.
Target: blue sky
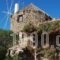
{"x": 52, "y": 7}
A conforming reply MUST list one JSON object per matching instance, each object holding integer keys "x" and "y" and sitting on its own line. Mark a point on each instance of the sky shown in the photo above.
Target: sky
{"x": 51, "y": 7}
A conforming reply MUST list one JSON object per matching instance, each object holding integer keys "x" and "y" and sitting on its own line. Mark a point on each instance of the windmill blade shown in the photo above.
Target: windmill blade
{"x": 7, "y": 4}
{"x": 9, "y": 13}
{"x": 6, "y": 22}
{"x": 11, "y": 5}
{"x": 2, "y": 20}
{"x": 4, "y": 12}
{"x": 22, "y": 3}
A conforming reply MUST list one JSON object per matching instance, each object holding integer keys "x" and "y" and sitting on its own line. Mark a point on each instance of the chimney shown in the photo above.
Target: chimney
{"x": 16, "y": 9}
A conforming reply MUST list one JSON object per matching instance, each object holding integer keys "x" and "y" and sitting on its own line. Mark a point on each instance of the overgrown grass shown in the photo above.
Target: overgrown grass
{"x": 48, "y": 27}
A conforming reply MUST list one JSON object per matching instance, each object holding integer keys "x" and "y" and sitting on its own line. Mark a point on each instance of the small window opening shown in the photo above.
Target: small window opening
{"x": 20, "y": 18}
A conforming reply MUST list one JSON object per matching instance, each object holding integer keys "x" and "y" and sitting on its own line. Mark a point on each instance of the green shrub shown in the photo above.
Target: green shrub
{"x": 48, "y": 53}
{"x": 29, "y": 28}
{"x": 3, "y": 52}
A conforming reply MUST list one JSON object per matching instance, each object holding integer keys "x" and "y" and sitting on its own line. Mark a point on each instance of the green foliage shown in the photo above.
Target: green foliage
{"x": 48, "y": 53}
{"x": 5, "y": 42}
{"x": 44, "y": 27}
{"x": 29, "y": 28}
{"x": 48, "y": 27}
{"x": 5, "y": 38}
{"x": 3, "y": 51}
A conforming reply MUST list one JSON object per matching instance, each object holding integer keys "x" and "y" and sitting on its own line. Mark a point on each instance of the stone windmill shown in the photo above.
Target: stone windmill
{"x": 30, "y": 13}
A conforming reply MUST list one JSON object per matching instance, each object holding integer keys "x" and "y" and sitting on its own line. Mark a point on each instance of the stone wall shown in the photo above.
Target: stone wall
{"x": 18, "y": 20}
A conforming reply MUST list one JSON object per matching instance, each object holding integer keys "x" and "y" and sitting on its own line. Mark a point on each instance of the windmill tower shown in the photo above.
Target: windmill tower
{"x": 29, "y": 14}
{"x": 16, "y": 19}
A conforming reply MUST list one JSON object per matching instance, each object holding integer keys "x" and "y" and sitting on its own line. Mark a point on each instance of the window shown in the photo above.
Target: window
{"x": 22, "y": 35}
{"x": 33, "y": 37}
{"x": 20, "y": 18}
